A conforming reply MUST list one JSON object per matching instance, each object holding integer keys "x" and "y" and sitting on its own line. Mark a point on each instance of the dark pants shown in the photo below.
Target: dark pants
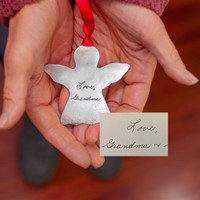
{"x": 3, "y": 40}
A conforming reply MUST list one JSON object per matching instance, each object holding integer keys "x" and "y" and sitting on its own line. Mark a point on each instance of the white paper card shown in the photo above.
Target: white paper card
{"x": 134, "y": 134}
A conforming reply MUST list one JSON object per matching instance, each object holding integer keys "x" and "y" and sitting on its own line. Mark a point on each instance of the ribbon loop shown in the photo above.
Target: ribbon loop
{"x": 87, "y": 16}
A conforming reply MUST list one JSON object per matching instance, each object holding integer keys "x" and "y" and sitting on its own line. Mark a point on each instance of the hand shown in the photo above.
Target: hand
{"x": 39, "y": 34}
{"x": 131, "y": 34}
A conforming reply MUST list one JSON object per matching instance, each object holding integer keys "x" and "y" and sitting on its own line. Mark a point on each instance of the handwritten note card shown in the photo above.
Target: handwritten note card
{"x": 134, "y": 134}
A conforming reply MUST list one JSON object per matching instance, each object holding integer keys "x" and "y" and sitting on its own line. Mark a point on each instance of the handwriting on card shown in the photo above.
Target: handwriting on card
{"x": 138, "y": 126}
{"x": 112, "y": 144}
{"x": 134, "y": 134}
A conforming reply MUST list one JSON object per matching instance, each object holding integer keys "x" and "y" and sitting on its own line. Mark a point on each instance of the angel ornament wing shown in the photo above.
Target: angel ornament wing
{"x": 85, "y": 84}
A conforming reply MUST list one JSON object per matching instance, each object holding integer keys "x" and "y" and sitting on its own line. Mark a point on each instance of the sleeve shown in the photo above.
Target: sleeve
{"x": 157, "y": 6}
{"x": 9, "y": 8}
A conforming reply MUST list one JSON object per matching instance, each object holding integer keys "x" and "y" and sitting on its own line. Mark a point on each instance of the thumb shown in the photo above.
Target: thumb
{"x": 158, "y": 42}
{"x": 28, "y": 37}
{"x": 17, "y": 77}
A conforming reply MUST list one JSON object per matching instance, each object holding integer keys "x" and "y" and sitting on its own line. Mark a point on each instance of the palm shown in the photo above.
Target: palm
{"x": 115, "y": 45}
{"x": 46, "y": 99}
{"x": 47, "y": 39}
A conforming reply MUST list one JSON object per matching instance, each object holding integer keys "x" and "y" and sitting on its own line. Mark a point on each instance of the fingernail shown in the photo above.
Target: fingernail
{"x": 3, "y": 120}
{"x": 191, "y": 77}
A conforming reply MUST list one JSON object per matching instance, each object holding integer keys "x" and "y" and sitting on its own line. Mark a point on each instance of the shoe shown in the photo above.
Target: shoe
{"x": 38, "y": 159}
{"x": 110, "y": 168}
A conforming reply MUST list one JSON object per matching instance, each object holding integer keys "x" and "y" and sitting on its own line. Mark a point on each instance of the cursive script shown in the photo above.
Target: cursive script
{"x": 77, "y": 98}
{"x": 83, "y": 85}
{"x": 112, "y": 144}
{"x": 136, "y": 126}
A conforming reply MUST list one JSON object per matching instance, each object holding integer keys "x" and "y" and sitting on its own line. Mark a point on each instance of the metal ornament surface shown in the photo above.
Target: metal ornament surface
{"x": 85, "y": 84}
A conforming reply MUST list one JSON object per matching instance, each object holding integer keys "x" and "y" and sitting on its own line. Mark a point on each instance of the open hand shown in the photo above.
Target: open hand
{"x": 42, "y": 33}
{"x": 127, "y": 33}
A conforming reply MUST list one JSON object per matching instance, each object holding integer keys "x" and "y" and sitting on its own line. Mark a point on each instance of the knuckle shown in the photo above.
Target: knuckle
{"x": 7, "y": 94}
{"x": 11, "y": 96}
{"x": 131, "y": 108}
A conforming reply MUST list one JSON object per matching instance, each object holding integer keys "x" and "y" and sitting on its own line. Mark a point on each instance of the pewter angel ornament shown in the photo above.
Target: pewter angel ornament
{"x": 85, "y": 84}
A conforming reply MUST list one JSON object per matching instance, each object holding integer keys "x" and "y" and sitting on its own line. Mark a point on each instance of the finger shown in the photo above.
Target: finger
{"x": 96, "y": 160}
{"x": 92, "y": 134}
{"x": 79, "y": 132}
{"x": 158, "y": 42}
{"x": 24, "y": 43}
{"x": 45, "y": 118}
{"x": 17, "y": 76}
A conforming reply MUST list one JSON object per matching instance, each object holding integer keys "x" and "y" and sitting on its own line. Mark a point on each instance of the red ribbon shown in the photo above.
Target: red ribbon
{"x": 87, "y": 16}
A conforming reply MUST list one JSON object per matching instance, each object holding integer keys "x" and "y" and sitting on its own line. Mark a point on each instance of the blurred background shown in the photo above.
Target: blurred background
{"x": 176, "y": 177}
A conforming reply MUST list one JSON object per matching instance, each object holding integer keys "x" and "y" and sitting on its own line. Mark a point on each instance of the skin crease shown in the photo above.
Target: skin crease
{"x": 45, "y": 32}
